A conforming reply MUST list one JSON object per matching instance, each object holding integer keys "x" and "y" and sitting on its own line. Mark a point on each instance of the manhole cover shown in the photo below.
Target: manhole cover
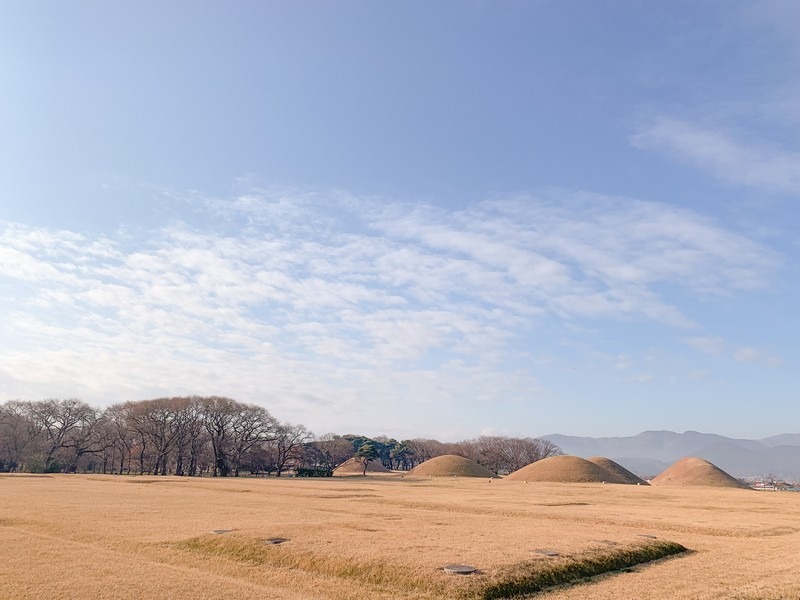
{"x": 647, "y": 535}
{"x": 219, "y": 531}
{"x": 605, "y": 542}
{"x": 546, "y": 552}
{"x": 459, "y": 569}
{"x": 275, "y": 541}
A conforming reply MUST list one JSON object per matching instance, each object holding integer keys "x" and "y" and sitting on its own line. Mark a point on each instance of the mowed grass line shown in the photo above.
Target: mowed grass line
{"x": 529, "y": 578}
{"x": 523, "y": 578}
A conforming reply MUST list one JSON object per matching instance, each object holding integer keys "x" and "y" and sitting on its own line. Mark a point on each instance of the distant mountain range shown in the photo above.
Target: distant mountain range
{"x": 650, "y": 452}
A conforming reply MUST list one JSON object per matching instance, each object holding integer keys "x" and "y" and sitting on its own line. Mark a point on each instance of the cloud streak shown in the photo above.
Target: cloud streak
{"x": 717, "y": 346}
{"x": 325, "y": 298}
{"x": 729, "y": 160}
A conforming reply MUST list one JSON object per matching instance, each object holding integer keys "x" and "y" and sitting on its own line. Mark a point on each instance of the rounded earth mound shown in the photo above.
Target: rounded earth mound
{"x": 566, "y": 469}
{"x": 617, "y": 469}
{"x": 696, "y": 471}
{"x": 356, "y": 467}
{"x": 450, "y": 465}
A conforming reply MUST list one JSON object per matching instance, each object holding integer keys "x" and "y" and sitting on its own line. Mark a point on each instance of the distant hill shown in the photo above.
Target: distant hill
{"x": 784, "y": 439}
{"x": 649, "y": 453}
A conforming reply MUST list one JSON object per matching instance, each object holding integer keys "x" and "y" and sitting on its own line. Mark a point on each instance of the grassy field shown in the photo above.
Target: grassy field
{"x": 389, "y": 537}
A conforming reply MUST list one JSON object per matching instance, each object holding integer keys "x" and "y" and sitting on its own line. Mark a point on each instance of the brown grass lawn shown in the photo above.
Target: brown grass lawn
{"x": 387, "y": 537}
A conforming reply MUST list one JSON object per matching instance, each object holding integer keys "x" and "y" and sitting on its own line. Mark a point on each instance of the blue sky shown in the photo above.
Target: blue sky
{"x": 432, "y": 219}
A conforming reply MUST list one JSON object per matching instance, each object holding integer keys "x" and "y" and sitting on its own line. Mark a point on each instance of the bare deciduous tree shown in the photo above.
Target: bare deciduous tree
{"x": 217, "y": 416}
{"x": 425, "y": 449}
{"x": 503, "y": 454}
{"x": 251, "y": 426}
{"x": 58, "y": 421}
{"x": 19, "y": 434}
{"x": 332, "y": 450}
{"x": 288, "y": 444}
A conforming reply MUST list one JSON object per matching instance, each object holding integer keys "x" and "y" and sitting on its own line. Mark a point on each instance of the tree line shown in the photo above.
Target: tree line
{"x": 213, "y": 435}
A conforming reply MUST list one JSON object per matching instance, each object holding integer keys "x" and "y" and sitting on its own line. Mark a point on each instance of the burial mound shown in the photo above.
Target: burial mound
{"x": 617, "y": 469}
{"x": 696, "y": 471}
{"x": 356, "y": 467}
{"x": 566, "y": 469}
{"x": 450, "y": 465}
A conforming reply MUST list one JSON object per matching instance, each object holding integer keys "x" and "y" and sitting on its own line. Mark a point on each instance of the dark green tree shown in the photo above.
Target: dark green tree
{"x": 364, "y": 454}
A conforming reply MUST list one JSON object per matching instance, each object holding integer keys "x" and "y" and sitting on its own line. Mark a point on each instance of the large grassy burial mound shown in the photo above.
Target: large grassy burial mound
{"x": 617, "y": 469}
{"x": 450, "y": 465}
{"x": 356, "y": 467}
{"x": 696, "y": 471}
{"x": 566, "y": 469}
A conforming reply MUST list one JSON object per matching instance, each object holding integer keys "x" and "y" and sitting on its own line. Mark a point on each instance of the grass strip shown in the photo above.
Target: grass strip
{"x": 532, "y": 576}
{"x": 519, "y": 579}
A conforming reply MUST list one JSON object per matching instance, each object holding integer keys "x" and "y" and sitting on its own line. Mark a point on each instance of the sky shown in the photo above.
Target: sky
{"x": 416, "y": 219}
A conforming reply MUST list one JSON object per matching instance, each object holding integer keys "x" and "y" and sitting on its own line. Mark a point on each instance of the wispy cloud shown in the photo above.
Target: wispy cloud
{"x": 759, "y": 356}
{"x": 707, "y": 344}
{"x": 717, "y": 346}
{"x": 314, "y": 298}
{"x": 730, "y": 160}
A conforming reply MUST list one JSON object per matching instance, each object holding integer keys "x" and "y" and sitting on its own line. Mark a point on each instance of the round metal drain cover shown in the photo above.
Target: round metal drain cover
{"x": 647, "y": 535}
{"x": 459, "y": 569}
{"x": 547, "y": 552}
{"x": 275, "y": 541}
{"x": 219, "y": 531}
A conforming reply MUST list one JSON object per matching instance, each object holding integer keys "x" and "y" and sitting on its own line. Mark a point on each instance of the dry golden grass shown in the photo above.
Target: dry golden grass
{"x": 388, "y": 537}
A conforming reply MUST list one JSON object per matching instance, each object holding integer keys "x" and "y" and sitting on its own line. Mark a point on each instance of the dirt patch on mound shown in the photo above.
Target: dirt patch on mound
{"x": 356, "y": 467}
{"x": 566, "y": 469}
{"x": 696, "y": 471}
{"x": 450, "y": 465}
{"x": 617, "y": 469}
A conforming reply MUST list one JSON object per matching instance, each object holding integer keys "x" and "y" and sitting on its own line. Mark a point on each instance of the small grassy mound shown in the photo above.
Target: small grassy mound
{"x": 355, "y": 467}
{"x": 617, "y": 469}
{"x": 696, "y": 471}
{"x": 567, "y": 469}
{"x": 450, "y": 465}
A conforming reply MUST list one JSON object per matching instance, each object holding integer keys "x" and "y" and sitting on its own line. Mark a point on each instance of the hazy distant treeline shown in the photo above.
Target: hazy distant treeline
{"x": 211, "y": 436}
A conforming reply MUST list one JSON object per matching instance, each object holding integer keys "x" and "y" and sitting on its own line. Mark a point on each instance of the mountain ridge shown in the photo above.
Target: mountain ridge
{"x": 650, "y": 452}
